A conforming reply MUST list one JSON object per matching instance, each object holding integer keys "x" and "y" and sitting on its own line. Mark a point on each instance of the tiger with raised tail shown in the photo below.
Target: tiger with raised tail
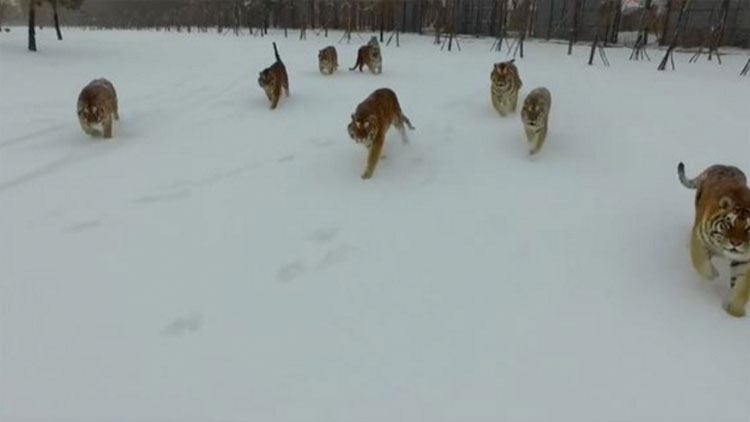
{"x": 369, "y": 55}
{"x": 722, "y": 228}
{"x": 505, "y": 87}
{"x": 273, "y": 78}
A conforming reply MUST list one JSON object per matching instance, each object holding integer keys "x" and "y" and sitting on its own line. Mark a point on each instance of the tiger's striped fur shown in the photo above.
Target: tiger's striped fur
{"x": 370, "y": 122}
{"x": 273, "y": 78}
{"x": 535, "y": 117}
{"x": 505, "y": 87}
{"x": 328, "y": 60}
{"x": 97, "y": 106}
{"x": 722, "y": 227}
{"x": 369, "y": 55}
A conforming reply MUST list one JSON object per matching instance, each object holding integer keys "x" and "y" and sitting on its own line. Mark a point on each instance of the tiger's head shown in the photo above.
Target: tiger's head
{"x": 533, "y": 113}
{"x": 502, "y": 74}
{"x": 363, "y": 131}
{"x": 265, "y": 78}
{"x": 96, "y": 101}
{"x": 729, "y": 227}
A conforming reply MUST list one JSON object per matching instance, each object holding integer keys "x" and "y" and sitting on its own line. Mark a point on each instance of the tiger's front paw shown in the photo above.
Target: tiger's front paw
{"x": 366, "y": 175}
{"x": 709, "y": 273}
{"x": 735, "y": 311}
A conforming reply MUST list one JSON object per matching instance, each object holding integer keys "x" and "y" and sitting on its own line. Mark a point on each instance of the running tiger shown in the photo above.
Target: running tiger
{"x": 535, "y": 117}
{"x": 97, "y": 105}
{"x": 273, "y": 78}
{"x": 369, "y": 54}
{"x": 722, "y": 228}
{"x": 372, "y": 119}
{"x": 328, "y": 60}
{"x": 505, "y": 86}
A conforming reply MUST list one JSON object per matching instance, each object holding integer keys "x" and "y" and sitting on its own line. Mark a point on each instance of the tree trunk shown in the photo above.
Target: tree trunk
{"x": 32, "y": 23}
{"x": 382, "y": 20}
{"x": 57, "y": 20}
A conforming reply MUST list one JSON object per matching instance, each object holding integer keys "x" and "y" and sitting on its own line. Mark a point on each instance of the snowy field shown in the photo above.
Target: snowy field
{"x": 217, "y": 261}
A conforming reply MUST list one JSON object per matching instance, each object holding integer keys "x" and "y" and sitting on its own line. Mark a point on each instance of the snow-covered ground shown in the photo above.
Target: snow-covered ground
{"x": 217, "y": 261}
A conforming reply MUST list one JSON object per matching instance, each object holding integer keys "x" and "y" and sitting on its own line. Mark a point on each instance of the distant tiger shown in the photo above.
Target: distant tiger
{"x": 535, "y": 117}
{"x": 722, "y": 228}
{"x": 369, "y": 55}
{"x": 328, "y": 60}
{"x": 273, "y": 78}
{"x": 97, "y": 105}
{"x": 505, "y": 87}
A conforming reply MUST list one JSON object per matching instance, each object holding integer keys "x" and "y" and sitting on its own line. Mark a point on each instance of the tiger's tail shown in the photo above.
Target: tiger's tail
{"x": 276, "y": 53}
{"x": 405, "y": 120}
{"x": 688, "y": 183}
{"x": 356, "y": 65}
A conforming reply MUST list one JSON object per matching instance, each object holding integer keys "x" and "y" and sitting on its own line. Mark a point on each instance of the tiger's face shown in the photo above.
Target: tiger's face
{"x": 265, "y": 78}
{"x": 533, "y": 114}
{"x": 327, "y": 61}
{"x": 91, "y": 114}
{"x": 729, "y": 230}
{"x": 363, "y": 131}
{"x": 502, "y": 75}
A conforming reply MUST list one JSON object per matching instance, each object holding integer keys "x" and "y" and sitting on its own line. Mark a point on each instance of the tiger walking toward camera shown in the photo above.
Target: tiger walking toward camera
{"x": 535, "y": 117}
{"x": 505, "y": 87}
{"x": 370, "y": 122}
{"x": 328, "y": 60}
{"x": 273, "y": 78}
{"x": 97, "y": 105}
{"x": 722, "y": 228}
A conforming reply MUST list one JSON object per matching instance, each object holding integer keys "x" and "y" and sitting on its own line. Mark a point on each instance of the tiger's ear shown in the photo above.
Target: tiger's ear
{"x": 512, "y": 61}
{"x": 726, "y": 203}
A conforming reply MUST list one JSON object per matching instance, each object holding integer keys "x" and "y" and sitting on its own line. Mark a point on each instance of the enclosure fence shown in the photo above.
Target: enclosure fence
{"x": 579, "y": 20}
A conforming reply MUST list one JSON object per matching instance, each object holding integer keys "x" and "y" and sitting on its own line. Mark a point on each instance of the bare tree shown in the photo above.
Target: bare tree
{"x": 32, "y": 23}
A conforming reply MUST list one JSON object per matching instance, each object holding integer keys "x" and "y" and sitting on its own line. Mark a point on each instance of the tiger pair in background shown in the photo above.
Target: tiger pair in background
{"x": 504, "y": 90}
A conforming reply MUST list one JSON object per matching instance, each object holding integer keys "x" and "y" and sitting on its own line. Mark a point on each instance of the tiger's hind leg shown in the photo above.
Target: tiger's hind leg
{"x": 286, "y": 86}
{"x": 701, "y": 258}
{"x": 740, "y": 273}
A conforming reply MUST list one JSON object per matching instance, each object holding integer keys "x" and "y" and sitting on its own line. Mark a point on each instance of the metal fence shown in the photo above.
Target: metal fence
{"x": 548, "y": 19}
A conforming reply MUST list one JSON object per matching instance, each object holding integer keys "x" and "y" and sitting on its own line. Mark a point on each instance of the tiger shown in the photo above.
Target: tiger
{"x": 372, "y": 119}
{"x": 722, "y": 228}
{"x": 369, "y": 54}
{"x": 97, "y": 105}
{"x": 505, "y": 87}
{"x": 535, "y": 117}
{"x": 273, "y": 78}
{"x": 328, "y": 60}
